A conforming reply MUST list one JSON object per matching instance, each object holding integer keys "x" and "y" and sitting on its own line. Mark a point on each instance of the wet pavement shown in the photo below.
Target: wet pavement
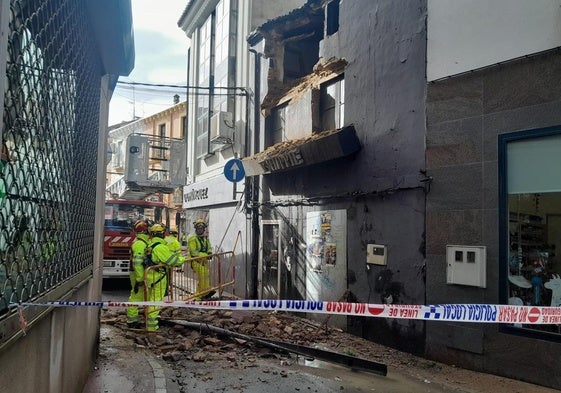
{"x": 179, "y": 360}
{"x": 123, "y": 366}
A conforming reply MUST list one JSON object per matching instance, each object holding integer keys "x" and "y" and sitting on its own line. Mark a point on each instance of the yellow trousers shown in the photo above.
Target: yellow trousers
{"x": 132, "y": 312}
{"x": 156, "y": 291}
{"x": 203, "y": 275}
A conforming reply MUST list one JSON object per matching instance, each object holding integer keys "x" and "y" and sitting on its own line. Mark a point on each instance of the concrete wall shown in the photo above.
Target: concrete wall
{"x": 57, "y": 352}
{"x": 384, "y": 45}
{"x": 465, "y": 115}
{"x": 59, "y": 347}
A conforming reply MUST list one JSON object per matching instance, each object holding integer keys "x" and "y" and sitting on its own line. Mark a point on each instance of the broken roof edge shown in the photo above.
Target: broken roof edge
{"x": 311, "y": 6}
{"x": 297, "y": 153}
{"x": 324, "y": 70}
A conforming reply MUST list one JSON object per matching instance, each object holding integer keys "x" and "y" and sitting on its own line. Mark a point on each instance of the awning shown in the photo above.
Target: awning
{"x": 297, "y": 153}
{"x": 113, "y": 28}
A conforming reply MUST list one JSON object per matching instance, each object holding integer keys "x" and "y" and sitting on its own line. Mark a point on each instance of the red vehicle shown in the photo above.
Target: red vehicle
{"x": 120, "y": 216}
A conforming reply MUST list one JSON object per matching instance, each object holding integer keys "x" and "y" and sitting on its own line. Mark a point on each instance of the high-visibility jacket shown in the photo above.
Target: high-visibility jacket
{"x": 199, "y": 246}
{"x": 172, "y": 243}
{"x": 138, "y": 251}
{"x": 161, "y": 253}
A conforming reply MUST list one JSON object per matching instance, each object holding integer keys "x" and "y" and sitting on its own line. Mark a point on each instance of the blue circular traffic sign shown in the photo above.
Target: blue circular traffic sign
{"x": 233, "y": 170}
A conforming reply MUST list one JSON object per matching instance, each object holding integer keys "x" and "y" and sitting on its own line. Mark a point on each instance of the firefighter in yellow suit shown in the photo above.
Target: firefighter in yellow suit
{"x": 136, "y": 271}
{"x": 171, "y": 240}
{"x": 199, "y": 246}
{"x": 156, "y": 279}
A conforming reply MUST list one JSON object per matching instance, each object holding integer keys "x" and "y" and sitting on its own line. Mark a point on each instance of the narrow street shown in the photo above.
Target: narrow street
{"x": 178, "y": 359}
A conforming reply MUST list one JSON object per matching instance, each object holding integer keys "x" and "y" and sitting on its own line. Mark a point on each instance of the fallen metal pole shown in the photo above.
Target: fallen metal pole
{"x": 346, "y": 360}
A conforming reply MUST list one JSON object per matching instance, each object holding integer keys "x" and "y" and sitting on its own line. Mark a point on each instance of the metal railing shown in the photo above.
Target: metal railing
{"x": 183, "y": 282}
{"x": 119, "y": 188}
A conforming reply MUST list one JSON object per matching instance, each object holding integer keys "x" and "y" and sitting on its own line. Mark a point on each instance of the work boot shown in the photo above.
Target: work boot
{"x": 208, "y": 295}
{"x": 134, "y": 325}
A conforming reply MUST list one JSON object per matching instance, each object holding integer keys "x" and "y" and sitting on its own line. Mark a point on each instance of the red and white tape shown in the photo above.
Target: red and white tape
{"x": 482, "y": 313}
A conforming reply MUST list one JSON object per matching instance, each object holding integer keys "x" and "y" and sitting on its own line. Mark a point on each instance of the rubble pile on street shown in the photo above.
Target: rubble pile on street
{"x": 175, "y": 342}
{"x": 181, "y": 346}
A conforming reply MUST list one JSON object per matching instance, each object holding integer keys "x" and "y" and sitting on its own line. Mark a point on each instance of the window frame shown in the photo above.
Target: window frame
{"x": 203, "y": 98}
{"x": 339, "y": 105}
{"x": 218, "y": 43}
{"x": 502, "y": 161}
{"x": 278, "y": 114}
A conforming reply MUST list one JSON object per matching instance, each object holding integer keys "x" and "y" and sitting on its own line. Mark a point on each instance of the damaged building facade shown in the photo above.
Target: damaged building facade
{"x": 340, "y": 163}
{"x": 333, "y": 188}
{"x": 385, "y": 162}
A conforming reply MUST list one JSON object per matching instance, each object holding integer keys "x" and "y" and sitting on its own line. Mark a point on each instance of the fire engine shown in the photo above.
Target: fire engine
{"x": 118, "y": 234}
{"x": 154, "y": 165}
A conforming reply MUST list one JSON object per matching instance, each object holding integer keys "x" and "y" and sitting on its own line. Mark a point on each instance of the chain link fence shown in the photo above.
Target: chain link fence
{"x": 49, "y": 148}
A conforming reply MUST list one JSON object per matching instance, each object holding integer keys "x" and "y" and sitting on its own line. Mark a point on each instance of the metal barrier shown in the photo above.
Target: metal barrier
{"x": 186, "y": 282}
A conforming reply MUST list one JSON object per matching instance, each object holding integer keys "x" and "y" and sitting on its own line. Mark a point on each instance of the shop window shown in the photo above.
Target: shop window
{"x": 531, "y": 221}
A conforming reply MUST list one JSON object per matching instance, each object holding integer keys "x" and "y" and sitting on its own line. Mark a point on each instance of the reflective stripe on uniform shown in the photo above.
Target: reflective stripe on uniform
{"x": 173, "y": 260}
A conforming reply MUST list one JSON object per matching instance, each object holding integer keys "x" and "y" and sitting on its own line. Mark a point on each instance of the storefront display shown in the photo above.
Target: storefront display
{"x": 533, "y": 266}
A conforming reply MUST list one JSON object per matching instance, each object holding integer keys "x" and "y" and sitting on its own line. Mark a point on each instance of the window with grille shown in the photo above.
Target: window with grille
{"x": 49, "y": 140}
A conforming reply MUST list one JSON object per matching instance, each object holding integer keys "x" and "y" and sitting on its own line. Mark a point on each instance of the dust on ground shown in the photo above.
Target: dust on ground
{"x": 186, "y": 349}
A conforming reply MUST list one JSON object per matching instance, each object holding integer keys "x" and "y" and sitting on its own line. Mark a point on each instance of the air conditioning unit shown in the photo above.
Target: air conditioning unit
{"x": 222, "y": 127}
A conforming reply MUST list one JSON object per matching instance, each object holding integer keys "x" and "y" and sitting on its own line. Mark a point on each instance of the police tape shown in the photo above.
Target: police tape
{"x": 483, "y": 313}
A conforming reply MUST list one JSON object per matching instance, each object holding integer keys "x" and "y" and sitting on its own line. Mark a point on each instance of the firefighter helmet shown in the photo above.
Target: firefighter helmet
{"x": 157, "y": 230}
{"x": 141, "y": 226}
{"x": 199, "y": 222}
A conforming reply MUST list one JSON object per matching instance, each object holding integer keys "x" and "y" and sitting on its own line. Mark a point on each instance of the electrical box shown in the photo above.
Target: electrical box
{"x": 376, "y": 254}
{"x": 466, "y": 265}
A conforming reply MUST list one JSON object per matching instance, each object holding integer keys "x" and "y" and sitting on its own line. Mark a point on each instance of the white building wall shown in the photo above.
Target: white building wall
{"x": 465, "y": 35}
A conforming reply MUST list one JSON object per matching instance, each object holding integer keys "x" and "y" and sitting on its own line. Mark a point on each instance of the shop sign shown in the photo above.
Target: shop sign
{"x": 209, "y": 192}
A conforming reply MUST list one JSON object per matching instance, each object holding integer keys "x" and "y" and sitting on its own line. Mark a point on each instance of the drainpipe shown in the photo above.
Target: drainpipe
{"x": 211, "y": 87}
{"x": 253, "y": 192}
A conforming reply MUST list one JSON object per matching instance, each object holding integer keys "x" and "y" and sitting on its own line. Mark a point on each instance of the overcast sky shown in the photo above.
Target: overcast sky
{"x": 160, "y": 58}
